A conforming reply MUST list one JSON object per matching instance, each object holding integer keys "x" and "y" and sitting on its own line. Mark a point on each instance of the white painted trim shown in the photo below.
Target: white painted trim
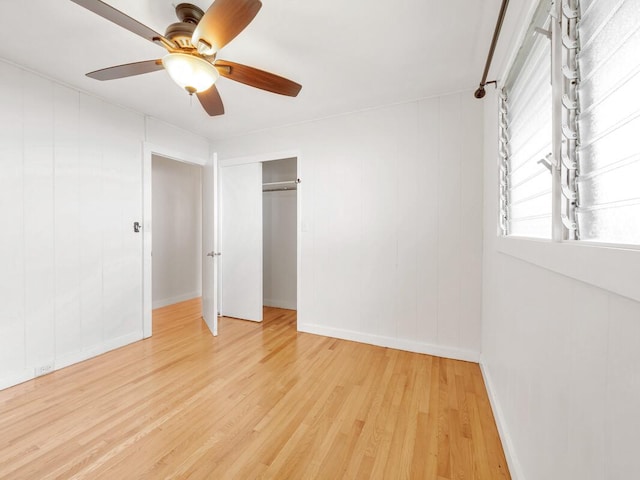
{"x": 614, "y": 269}
{"x": 302, "y": 225}
{"x": 72, "y": 358}
{"x": 515, "y": 469}
{"x": 92, "y": 352}
{"x": 79, "y": 356}
{"x": 122, "y": 341}
{"x": 260, "y": 157}
{"x": 147, "y": 203}
{"x": 172, "y": 154}
{"x": 163, "y": 302}
{"x": 397, "y": 343}
{"x": 17, "y": 377}
{"x": 271, "y": 302}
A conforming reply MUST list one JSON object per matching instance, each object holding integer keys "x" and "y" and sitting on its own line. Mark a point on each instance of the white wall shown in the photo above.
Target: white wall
{"x": 391, "y": 214}
{"x": 177, "y": 231}
{"x": 70, "y": 190}
{"x": 279, "y": 242}
{"x": 561, "y": 355}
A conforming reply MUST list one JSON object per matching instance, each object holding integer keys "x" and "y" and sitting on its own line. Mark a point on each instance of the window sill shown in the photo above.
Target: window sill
{"x": 616, "y": 269}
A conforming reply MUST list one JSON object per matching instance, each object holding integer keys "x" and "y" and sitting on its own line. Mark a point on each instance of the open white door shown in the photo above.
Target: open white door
{"x": 241, "y": 241}
{"x": 210, "y": 252}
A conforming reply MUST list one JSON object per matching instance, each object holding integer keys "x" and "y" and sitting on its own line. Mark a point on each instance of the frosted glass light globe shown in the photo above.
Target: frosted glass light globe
{"x": 192, "y": 73}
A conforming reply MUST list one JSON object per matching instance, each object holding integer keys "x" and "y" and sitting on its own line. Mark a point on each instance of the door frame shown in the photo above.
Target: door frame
{"x": 268, "y": 157}
{"x": 148, "y": 150}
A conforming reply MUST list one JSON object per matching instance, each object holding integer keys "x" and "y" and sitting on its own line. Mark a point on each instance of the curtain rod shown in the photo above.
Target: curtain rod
{"x": 480, "y": 93}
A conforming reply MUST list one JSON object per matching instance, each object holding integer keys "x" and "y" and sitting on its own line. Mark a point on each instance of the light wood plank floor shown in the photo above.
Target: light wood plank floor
{"x": 259, "y": 401}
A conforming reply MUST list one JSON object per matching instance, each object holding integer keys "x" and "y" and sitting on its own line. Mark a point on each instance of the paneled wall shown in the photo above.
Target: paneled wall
{"x": 391, "y": 221}
{"x": 70, "y": 190}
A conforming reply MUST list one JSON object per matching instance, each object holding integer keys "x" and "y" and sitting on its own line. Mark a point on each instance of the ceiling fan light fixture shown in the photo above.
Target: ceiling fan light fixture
{"x": 193, "y": 74}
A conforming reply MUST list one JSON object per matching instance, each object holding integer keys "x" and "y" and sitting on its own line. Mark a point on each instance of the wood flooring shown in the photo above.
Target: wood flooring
{"x": 258, "y": 401}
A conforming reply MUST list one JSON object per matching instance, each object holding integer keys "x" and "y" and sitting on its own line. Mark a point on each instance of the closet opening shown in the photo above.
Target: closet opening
{"x": 258, "y": 236}
{"x": 279, "y": 232}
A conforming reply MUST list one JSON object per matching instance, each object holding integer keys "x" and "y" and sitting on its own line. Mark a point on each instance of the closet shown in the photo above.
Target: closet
{"x": 279, "y": 233}
{"x": 258, "y": 237}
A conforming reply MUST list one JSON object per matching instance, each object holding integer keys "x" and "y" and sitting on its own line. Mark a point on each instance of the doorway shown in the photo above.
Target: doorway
{"x": 177, "y": 231}
{"x": 209, "y": 218}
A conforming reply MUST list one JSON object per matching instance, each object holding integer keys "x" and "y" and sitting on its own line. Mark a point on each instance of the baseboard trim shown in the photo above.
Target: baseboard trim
{"x": 16, "y": 378}
{"x": 94, "y": 351}
{"x": 72, "y": 358}
{"x": 512, "y": 460}
{"x": 163, "y": 302}
{"x": 399, "y": 344}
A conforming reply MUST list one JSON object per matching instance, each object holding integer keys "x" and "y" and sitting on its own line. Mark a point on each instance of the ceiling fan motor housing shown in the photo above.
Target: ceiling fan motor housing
{"x": 182, "y": 31}
{"x": 189, "y": 13}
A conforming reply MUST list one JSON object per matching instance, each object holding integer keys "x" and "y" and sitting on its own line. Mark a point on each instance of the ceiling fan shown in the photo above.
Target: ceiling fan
{"x": 192, "y": 45}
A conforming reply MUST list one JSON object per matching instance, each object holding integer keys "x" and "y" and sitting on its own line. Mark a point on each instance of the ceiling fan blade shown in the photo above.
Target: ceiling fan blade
{"x": 116, "y": 16}
{"x": 222, "y": 22}
{"x": 211, "y": 101}
{"x": 257, "y": 78}
{"x": 127, "y": 70}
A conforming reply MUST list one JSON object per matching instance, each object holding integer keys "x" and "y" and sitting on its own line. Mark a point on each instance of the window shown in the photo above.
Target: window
{"x": 526, "y": 136}
{"x": 591, "y": 188}
{"x": 609, "y": 120}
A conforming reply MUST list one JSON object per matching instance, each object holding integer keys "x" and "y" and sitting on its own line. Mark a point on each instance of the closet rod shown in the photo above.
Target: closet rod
{"x": 281, "y": 189}
{"x": 273, "y": 184}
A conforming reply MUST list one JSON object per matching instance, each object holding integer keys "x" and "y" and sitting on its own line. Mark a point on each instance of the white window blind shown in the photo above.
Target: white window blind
{"x": 608, "y": 183}
{"x": 526, "y": 137}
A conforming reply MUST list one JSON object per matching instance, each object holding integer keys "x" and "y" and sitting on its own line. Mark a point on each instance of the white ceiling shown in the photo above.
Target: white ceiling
{"x": 348, "y": 54}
